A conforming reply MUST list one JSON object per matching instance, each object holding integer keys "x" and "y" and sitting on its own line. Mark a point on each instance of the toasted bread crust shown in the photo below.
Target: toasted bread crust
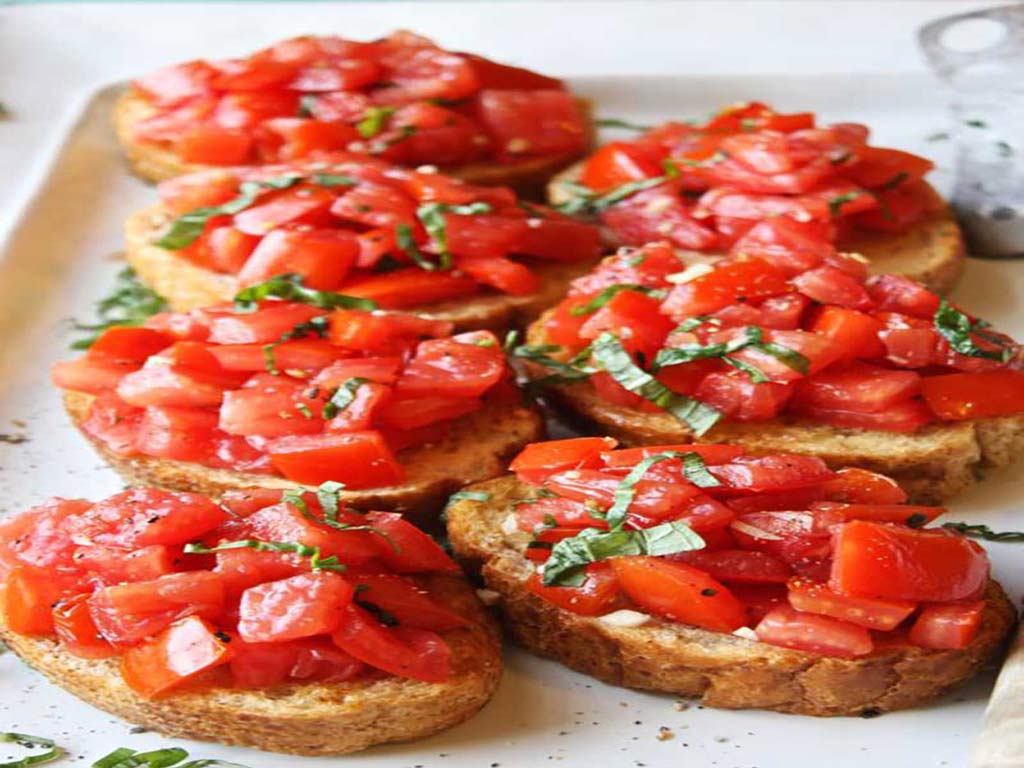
{"x": 477, "y": 448}
{"x": 932, "y": 464}
{"x": 931, "y": 252}
{"x": 154, "y": 163}
{"x": 307, "y": 719}
{"x": 187, "y": 286}
{"x": 722, "y": 670}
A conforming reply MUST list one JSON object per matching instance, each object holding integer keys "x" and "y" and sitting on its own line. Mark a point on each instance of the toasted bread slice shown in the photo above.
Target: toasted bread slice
{"x": 931, "y": 252}
{"x": 477, "y": 448}
{"x": 722, "y": 670}
{"x": 153, "y": 163}
{"x": 932, "y": 464}
{"x": 301, "y": 719}
{"x": 187, "y": 286}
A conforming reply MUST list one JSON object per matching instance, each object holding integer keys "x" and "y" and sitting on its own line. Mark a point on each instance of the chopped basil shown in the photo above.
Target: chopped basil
{"x": 333, "y": 180}
{"x": 894, "y": 182}
{"x": 564, "y": 568}
{"x": 693, "y": 467}
{"x": 327, "y": 495}
{"x": 835, "y": 205}
{"x": 289, "y": 287}
{"x": 940, "y": 136}
{"x": 956, "y": 328}
{"x": 405, "y": 241}
{"x": 307, "y": 104}
{"x": 31, "y": 742}
{"x": 432, "y": 216}
{"x": 975, "y": 123}
{"x": 185, "y": 229}
{"x": 374, "y": 121}
{"x": 611, "y": 292}
{"x": 586, "y": 201}
{"x": 123, "y": 757}
{"x": 343, "y": 396}
{"x": 540, "y": 354}
{"x": 469, "y": 496}
{"x": 1004, "y": 148}
{"x": 692, "y": 323}
{"x": 978, "y": 531}
{"x": 316, "y": 326}
{"x": 614, "y": 122}
{"x": 385, "y": 618}
{"x": 612, "y": 356}
{"x": 753, "y": 338}
{"x": 316, "y": 561}
{"x": 131, "y": 303}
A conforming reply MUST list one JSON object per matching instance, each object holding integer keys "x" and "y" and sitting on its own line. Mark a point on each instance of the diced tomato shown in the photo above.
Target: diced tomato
{"x": 38, "y": 536}
{"x": 947, "y": 626}
{"x": 142, "y": 517}
{"x": 420, "y": 73}
{"x": 634, "y": 319}
{"x": 123, "y": 344}
{"x": 760, "y": 599}
{"x": 828, "y": 285}
{"x": 113, "y": 565}
{"x": 597, "y": 595}
{"x": 618, "y": 163}
{"x": 500, "y": 273}
{"x": 249, "y": 109}
{"x": 378, "y": 332}
{"x": 859, "y": 486}
{"x": 532, "y": 122}
{"x": 167, "y": 385}
{"x": 322, "y": 257}
{"x": 300, "y": 606}
{"x": 786, "y": 627}
{"x": 407, "y": 602}
{"x": 629, "y": 457}
{"x": 411, "y": 413}
{"x": 537, "y": 461}
{"x": 405, "y": 652}
{"x": 213, "y": 145}
{"x": 357, "y": 459}
{"x": 382, "y": 370}
{"x": 178, "y": 654}
{"x": 897, "y": 563}
{"x": 679, "y": 592}
{"x": 90, "y": 375}
{"x": 267, "y": 324}
{"x": 405, "y": 548}
{"x": 291, "y": 138}
{"x": 896, "y": 293}
{"x": 906, "y": 416}
{"x": 907, "y": 514}
{"x": 257, "y": 665}
{"x": 737, "y": 565}
{"x": 180, "y": 434}
{"x": 987, "y": 394}
{"x": 705, "y": 515}
{"x": 204, "y": 189}
{"x": 411, "y": 287}
{"x": 899, "y": 207}
{"x": 466, "y": 365}
{"x": 297, "y": 205}
{"x": 880, "y": 167}
{"x": 113, "y": 423}
{"x": 126, "y": 614}
{"x": 737, "y": 396}
{"x": 794, "y": 536}
{"x": 854, "y": 332}
{"x": 285, "y": 522}
{"x": 858, "y": 387}
{"x": 77, "y": 632}
{"x": 174, "y": 84}
{"x": 752, "y": 279}
{"x": 28, "y": 597}
{"x": 883, "y": 615}
{"x": 779, "y": 472}
{"x": 566, "y": 513}
{"x": 658, "y": 213}
{"x": 653, "y": 498}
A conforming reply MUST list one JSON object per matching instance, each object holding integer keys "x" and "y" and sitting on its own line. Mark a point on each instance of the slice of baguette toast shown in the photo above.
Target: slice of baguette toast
{"x": 154, "y": 163}
{"x": 302, "y": 719}
{"x": 722, "y": 670}
{"x": 931, "y": 252}
{"x": 477, "y": 448}
{"x": 932, "y": 464}
{"x": 187, "y": 286}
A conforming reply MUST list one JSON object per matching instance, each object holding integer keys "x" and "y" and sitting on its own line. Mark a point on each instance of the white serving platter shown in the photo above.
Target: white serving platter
{"x": 60, "y": 259}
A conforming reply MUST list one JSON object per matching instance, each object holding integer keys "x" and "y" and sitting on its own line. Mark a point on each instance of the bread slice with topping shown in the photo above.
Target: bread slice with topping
{"x": 720, "y": 669}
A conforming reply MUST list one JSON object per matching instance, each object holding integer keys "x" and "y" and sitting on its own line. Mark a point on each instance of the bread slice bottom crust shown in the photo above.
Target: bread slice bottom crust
{"x": 721, "y": 670}
{"x": 931, "y": 252}
{"x": 477, "y": 447}
{"x": 187, "y": 286}
{"x": 301, "y": 719}
{"x": 932, "y": 464}
{"x": 156, "y": 163}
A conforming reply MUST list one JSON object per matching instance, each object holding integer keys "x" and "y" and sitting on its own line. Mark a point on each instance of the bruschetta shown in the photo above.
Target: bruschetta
{"x": 419, "y": 240}
{"x": 785, "y": 351}
{"x": 401, "y": 98}
{"x": 276, "y": 394}
{"x": 750, "y": 177}
{"x": 272, "y": 620}
{"x": 765, "y": 582}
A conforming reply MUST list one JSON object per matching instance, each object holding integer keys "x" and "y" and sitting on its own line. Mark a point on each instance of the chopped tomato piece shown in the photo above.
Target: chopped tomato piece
{"x": 321, "y": 257}
{"x": 809, "y": 632}
{"x": 960, "y": 396}
{"x": 407, "y": 602}
{"x": 752, "y": 279}
{"x": 28, "y": 596}
{"x": 908, "y": 514}
{"x": 537, "y": 461}
{"x": 300, "y": 606}
{"x": 467, "y": 365}
{"x": 532, "y": 122}
{"x": 618, "y": 163}
{"x": 412, "y": 287}
{"x": 883, "y": 615}
{"x": 77, "y": 632}
{"x": 357, "y": 459}
{"x": 858, "y": 387}
{"x": 947, "y": 626}
{"x": 213, "y": 145}
{"x": 405, "y": 548}
{"x": 597, "y": 595}
{"x": 405, "y": 652}
{"x": 257, "y": 665}
{"x": 771, "y": 473}
{"x": 855, "y": 333}
{"x": 859, "y": 486}
{"x": 173, "y": 657}
{"x": 737, "y": 565}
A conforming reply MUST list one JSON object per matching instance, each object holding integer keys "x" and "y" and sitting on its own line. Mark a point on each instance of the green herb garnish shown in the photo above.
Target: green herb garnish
{"x": 130, "y": 304}
{"x": 316, "y": 561}
{"x": 614, "y": 122}
{"x": 31, "y": 742}
{"x": 611, "y": 292}
{"x": 540, "y": 354}
{"x": 123, "y": 757}
{"x": 835, "y": 205}
{"x": 407, "y": 243}
{"x": 753, "y": 338}
{"x": 290, "y": 288}
{"x": 978, "y": 531}
{"x": 374, "y": 121}
{"x": 432, "y": 216}
{"x": 343, "y": 396}
{"x": 956, "y": 328}
{"x": 468, "y": 496}
{"x": 587, "y": 201}
{"x": 307, "y": 103}
{"x": 693, "y": 467}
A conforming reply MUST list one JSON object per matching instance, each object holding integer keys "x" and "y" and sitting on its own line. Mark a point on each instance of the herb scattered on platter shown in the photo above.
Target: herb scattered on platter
{"x": 131, "y": 303}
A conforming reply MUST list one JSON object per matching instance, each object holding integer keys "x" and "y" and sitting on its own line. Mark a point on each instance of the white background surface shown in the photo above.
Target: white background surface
{"x": 58, "y": 263}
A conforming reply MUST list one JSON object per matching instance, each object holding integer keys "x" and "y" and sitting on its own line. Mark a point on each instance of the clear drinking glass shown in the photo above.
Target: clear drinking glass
{"x": 980, "y": 58}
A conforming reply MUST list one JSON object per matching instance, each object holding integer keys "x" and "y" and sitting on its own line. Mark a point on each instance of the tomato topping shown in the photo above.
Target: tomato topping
{"x": 181, "y": 652}
{"x": 300, "y": 606}
{"x": 895, "y": 563}
{"x": 809, "y": 632}
{"x": 960, "y": 396}
{"x": 597, "y": 595}
{"x": 859, "y": 486}
{"x": 872, "y": 613}
{"x": 76, "y": 630}
{"x": 947, "y": 626}
{"x": 406, "y": 652}
{"x": 538, "y": 461}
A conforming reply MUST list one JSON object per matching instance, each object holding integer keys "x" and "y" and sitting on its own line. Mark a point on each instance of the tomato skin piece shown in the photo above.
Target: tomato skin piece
{"x": 828, "y": 285}
{"x": 300, "y": 606}
{"x": 619, "y": 162}
{"x": 467, "y": 365}
{"x": 412, "y": 287}
{"x": 634, "y": 318}
{"x": 858, "y": 387}
{"x": 566, "y": 513}
{"x": 654, "y": 497}
{"x": 786, "y": 627}
{"x": 537, "y": 461}
{"x": 597, "y": 595}
{"x": 500, "y": 273}
{"x": 178, "y": 654}
{"x": 416, "y": 654}
{"x": 907, "y": 416}
{"x": 93, "y": 376}
{"x": 113, "y": 565}
{"x": 777, "y": 472}
{"x": 737, "y": 565}
{"x": 164, "y": 385}
{"x": 285, "y": 522}
{"x": 382, "y": 333}
{"x": 961, "y": 396}
{"x": 710, "y": 453}
{"x": 77, "y": 632}
{"x": 947, "y": 626}
{"x": 531, "y": 122}
{"x": 358, "y": 459}
{"x": 212, "y": 145}
{"x": 859, "y": 486}
{"x": 322, "y": 257}
{"x": 123, "y": 344}
{"x": 896, "y": 512}
{"x": 895, "y": 563}
{"x": 854, "y": 332}
{"x": 679, "y": 592}
{"x": 881, "y": 615}
{"x": 878, "y": 166}
{"x": 28, "y": 596}
{"x": 790, "y": 245}
{"x": 734, "y": 394}
{"x": 404, "y": 600}
{"x": 897, "y": 293}
{"x": 407, "y": 549}
{"x": 259, "y": 665}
